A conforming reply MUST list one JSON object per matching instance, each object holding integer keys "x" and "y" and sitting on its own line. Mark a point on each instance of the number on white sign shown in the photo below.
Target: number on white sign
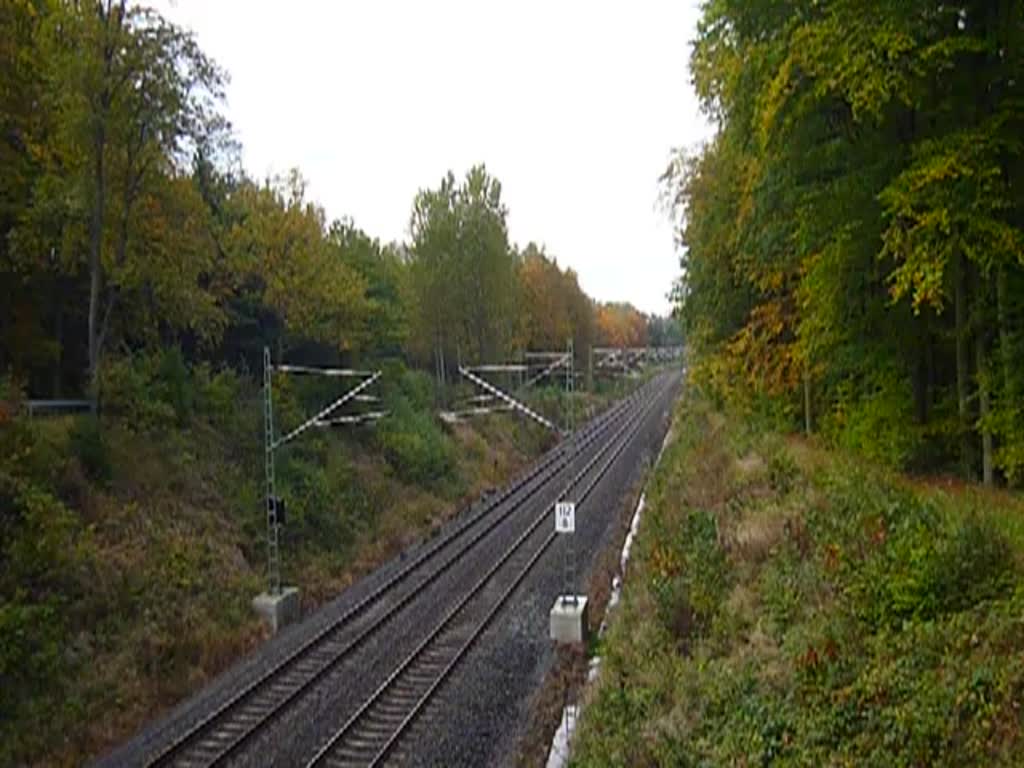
{"x": 565, "y": 517}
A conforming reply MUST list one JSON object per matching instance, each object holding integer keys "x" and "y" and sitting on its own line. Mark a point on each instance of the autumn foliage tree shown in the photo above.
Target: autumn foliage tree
{"x": 125, "y": 222}
{"x": 853, "y": 235}
{"x": 462, "y": 271}
{"x": 621, "y": 325}
{"x": 127, "y": 225}
{"x": 553, "y": 306}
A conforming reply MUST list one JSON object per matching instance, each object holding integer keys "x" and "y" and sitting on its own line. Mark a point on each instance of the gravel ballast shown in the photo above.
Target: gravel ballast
{"x": 479, "y": 712}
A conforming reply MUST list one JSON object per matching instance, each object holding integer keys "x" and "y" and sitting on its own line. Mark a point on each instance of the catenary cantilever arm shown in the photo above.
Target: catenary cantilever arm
{"x": 508, "y": 399}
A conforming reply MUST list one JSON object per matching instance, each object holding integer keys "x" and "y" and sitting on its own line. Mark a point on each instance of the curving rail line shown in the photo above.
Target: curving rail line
{"x": 372, "y": 733}
{"x": 226, "y": 730}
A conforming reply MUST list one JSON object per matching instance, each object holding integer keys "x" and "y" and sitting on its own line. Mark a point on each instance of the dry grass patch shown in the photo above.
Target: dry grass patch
{"x": 750, "y": 467}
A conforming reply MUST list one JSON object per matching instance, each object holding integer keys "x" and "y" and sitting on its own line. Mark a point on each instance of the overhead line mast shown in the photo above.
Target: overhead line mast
{"x": 325, "y": 417}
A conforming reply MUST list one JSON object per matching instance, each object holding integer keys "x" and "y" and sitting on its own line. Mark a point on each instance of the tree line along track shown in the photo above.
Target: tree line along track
{"x": 224, "y": 731}
{"x": 372, "y": 734}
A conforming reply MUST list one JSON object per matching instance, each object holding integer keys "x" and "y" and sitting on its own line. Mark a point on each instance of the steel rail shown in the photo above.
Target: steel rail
{"x": 630, "y": 428}
{"x": 255, "y": 726}
{"x": 507, "y": 593}
{"x": 557, "y": 458}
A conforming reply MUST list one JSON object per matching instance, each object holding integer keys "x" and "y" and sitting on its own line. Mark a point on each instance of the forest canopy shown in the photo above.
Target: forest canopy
{"x": 126, "y": 222}
{"x": 853, "y": 235}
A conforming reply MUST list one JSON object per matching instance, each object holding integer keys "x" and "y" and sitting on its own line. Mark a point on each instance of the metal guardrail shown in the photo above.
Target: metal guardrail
{"x": 55, "y": 406}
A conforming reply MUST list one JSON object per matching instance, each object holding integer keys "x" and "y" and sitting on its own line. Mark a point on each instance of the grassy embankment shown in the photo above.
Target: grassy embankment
{"x": 790, "y": 605}
{"x": 131, "y": 548}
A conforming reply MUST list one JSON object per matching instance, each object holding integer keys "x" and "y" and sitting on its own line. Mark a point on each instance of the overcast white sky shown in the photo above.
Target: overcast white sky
{"x": 573, "y": 106}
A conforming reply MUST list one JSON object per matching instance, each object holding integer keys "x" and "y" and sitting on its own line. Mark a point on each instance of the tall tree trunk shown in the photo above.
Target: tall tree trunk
{"x": 111, "y": 16}
{"x": 962, "y": 370}
{"x": 923, "y": 372}
{"x": 96, "y": 251}
{"x": 444, "y": 370}
{"x": 929, "y": 358}
{"x": 983, "y": 399}
{"x": 1005, "y": 337}
{"x": 808, "y": 425}
{"x": 58, "y": 335}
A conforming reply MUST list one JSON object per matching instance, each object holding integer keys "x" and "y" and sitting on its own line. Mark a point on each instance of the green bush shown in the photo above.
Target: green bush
{"x": 33, "y": 451}
{"x": 779, "y": 587}
{"x": 11, "y": 393}
{"x": 884, "y": 628}
{"x": 89, "y": 445}
{"x": 903, "y": 558}
{"x": 416, "y": 387}
{"x": 872, "y": 420}
{"x": 415, "y": 446}
{"x": 152, "y": 391}
{"x": 126, "y": 393}
{"x": 224, "y": 400}
{"x": 409, "y": 437}
{"x": 32, "y": 636}
{"x": 46, "y": 561}
{"x": 929, "y": 569}
{"x": 218, "y": 392}
{"x": 316, "y": 511}
{"x": 173, "y": 384}
{"x": 1006, "y": 423}
{"x": 782, "y": 471}
{"x": 689, "y": 600}
{"x": 975, "y": 564}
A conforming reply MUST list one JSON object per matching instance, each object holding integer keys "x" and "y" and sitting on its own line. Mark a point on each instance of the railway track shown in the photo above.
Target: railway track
{"x": 373, "y": 733}
{"x": 225, "y": 731}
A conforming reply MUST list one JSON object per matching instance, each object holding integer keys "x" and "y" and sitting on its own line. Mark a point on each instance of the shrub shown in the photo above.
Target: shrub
{"x": 11, "y": 397}
{"x": 219, "y": 396}
{"x": 871, "y": 420}
{"x": 975, "y": 564}
{"x": 46, "y": 560}
{"x": 692, "y": 578}
{"x": 904, "y": 558}
{"x": 409, "y": 437}
{"x": 415, "y": 446}
{"x": 173, "y": 384}
{"x": 317, "y": 514}
{"x": 782, "y": 471}
{"x": 126, "y": 387}
{"x": 32, "y": 635}
{"x": 89, "y": 446}
{"x": 415, "y": 386}
{"x": 151, "y": 391}
{"x": 220, "y": 391}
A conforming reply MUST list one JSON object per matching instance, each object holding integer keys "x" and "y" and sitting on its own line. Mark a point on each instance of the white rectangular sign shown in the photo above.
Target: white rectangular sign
{"x": 565, "y": 517}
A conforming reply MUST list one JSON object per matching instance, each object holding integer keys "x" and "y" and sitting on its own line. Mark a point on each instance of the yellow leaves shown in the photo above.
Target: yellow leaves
{"x": 621, "y": 325}
{"x": 764, "y": 355}
{"x": 950, "y": 199}
{"x": 546, "y": 302}
{"x": 775, "y": 97}
{"x": 281, "y": 239}
{"x": 750, "y": 175}
{"x": 772, "y": 280}
{"x": 868, "y": 57}
{"x": 665, "y": 562}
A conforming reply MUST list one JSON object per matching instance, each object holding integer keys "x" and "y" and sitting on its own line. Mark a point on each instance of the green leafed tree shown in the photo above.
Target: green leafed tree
{"x": 853, "y": 234}
{"x": 126, "y": 97}
{"x": 463, "y": 272}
